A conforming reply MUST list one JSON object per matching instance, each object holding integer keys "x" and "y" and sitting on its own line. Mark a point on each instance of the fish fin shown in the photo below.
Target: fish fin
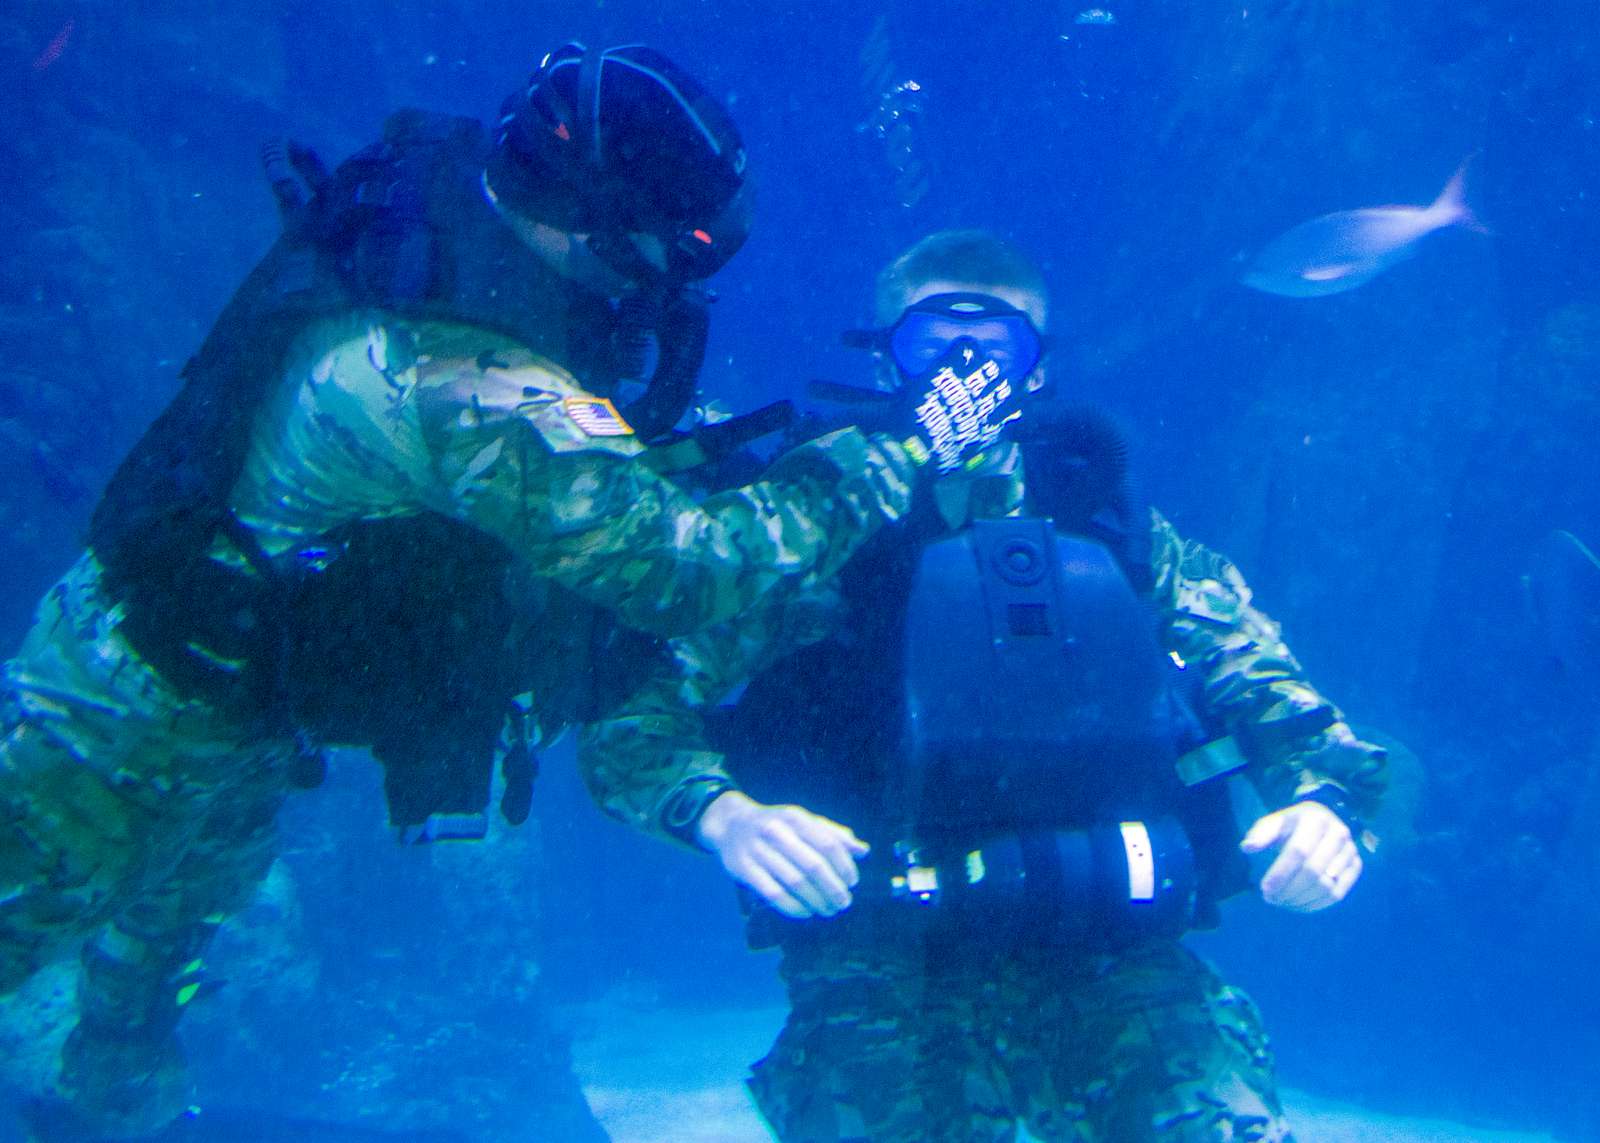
{"x": 1452, "y": 201}
{"x": 1329, "y": 273}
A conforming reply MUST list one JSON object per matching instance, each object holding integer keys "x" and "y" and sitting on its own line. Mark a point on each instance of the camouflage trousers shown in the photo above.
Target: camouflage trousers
{"x": 131, "y": 822}
{"x": 945, "y": 1046}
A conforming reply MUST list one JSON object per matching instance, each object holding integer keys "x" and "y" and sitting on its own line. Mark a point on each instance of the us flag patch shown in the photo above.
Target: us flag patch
{"x": 597, "y": 417}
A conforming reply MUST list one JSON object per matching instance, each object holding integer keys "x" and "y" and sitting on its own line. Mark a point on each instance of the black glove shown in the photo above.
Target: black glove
{"x": 949, "y": 415}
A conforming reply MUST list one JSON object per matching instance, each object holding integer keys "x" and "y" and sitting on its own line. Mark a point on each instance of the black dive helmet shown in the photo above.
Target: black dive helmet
{"x": 621, "y": 145}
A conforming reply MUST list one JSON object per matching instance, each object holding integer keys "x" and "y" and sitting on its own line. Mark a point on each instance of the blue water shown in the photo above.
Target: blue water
{"x": 1381, "y": 464}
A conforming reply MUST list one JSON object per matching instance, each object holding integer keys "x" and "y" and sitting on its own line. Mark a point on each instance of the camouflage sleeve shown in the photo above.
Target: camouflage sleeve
{"x": 644, "y": 757}
{"x": 530, "y": 458}
{"x": 1294, "y": 738}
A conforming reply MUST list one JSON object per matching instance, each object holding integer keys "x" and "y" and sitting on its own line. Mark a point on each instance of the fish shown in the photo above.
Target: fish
{"x": 1095, "y": 16}
{"x": 1346, "y": 249}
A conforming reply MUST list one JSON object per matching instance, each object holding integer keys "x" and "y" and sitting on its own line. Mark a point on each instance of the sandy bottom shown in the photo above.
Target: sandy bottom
{"x": 676, "y": 1077}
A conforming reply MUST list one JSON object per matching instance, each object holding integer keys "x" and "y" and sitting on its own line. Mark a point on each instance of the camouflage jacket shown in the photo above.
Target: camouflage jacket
{"x": 638, "y": 762}
{"x": 381, "y": 417}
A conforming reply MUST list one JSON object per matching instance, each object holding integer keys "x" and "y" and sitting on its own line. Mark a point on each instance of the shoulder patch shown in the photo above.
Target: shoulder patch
{"x": 519, "y": 386}
{"x": 596, "y": 417}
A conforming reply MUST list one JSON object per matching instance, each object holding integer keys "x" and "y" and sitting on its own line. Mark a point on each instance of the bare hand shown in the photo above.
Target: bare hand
{"x": 1318, "y": 862}
{"x": 801, "y": 863}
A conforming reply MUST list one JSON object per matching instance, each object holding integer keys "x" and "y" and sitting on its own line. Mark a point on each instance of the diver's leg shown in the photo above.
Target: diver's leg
{"x": 108, "y": 784}
{"x": 1051, "y": 1070}
{"x": 81, "y": 818}
{"x": 123, "y": 1064}
{"x": 874, "y": 1051}
{"x": 66, "y": 851}
{"x": 1174, "y": 1054}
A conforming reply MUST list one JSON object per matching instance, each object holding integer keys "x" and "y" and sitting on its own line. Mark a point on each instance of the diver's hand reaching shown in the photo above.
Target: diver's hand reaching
{"x": 800, "y": 863}
{"x": 955, "y": 412}
{"x": 1317, "y": 863}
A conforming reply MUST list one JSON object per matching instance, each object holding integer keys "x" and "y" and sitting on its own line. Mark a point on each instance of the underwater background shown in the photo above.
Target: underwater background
{"x": 1382, "y": 464}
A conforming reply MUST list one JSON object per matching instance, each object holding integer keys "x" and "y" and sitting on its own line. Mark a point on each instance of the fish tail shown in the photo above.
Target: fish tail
{"x": 1452, "y": 202}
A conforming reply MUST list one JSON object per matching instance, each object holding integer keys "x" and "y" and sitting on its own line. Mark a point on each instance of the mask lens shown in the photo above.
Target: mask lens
{"x": 920, "y": 338}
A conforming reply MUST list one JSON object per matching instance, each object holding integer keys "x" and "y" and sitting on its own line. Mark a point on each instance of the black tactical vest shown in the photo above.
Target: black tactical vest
{"x": 405, "y": 635}
{"x": 827, "y": 727}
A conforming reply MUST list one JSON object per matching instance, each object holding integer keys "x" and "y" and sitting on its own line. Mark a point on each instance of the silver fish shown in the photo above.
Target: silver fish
{"x": 1340, "y": 251}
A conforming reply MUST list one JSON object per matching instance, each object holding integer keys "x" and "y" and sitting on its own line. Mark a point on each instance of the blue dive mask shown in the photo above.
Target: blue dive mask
{"x": 925, "y": 333}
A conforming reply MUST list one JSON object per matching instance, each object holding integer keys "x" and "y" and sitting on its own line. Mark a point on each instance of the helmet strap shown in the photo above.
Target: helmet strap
{"x": 588, "y": 124}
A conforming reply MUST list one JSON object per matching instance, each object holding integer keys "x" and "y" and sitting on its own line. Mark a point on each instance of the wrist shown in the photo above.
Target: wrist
{"x": 1336, "y": 799}
{"x": 717, "y": 819}
{"x": 684, "y": 812}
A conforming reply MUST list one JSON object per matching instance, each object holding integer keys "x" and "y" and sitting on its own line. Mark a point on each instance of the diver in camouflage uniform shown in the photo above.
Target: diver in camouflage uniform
{"x": 1042, "y": 826}
{"x": 393, "y": 503}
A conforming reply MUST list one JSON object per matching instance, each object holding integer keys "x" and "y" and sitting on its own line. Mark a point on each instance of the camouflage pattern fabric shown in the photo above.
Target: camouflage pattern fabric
{"x": 1295, "y": 739}
{"x": 139, "y": 818}
{"x": 384, "y": 418}
{"x": 652, "y": 746}
{"x": 943, "y": 1045}
{"x": 131, "y": 816}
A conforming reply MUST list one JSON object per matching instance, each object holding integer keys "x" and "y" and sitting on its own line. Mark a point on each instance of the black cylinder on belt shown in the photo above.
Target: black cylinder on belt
{"x": 1114, "y": 882}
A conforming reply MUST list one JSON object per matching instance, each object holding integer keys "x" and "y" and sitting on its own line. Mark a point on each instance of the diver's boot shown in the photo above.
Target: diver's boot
{"x": 125, "y": 1086}
{"x": 122, "y": 1067}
